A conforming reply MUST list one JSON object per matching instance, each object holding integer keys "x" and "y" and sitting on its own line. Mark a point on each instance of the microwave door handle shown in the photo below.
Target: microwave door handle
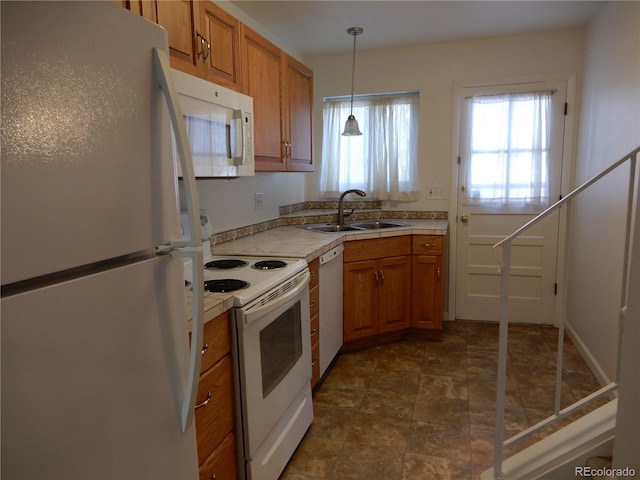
{"x": 163, "y": 72}
{"x": 239, "y": 137}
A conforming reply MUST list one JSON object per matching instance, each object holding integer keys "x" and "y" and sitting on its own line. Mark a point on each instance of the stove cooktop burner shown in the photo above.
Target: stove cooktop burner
{"x": 224, "y": 285}
{"x": 269, "y": 264}
{"x": 225, "y": 263}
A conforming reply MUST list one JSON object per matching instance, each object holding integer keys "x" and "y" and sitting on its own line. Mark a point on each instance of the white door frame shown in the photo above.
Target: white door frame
{"x": 565, "y": 187}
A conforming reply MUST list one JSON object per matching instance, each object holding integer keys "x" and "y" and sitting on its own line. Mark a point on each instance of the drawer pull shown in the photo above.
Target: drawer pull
{"x": 205, "y": 403}
{"x": 314, "y": 361}
{"x": 438, "y": 273}
{"x": 313, "y": 304}
{"x": 428, "y": 245}
{"x": 376, "y": 275}
{"x": 314, "y": 332}
{"x": 205, "y": 347}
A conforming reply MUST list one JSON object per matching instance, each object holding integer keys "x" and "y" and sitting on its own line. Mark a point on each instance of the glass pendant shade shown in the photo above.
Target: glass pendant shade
{"x": 351, "y": 127}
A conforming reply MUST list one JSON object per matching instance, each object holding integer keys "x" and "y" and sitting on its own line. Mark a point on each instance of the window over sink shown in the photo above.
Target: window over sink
{"x": 383, "y": 161}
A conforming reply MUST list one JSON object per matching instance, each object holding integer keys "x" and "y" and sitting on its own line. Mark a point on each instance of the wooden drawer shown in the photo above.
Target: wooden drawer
{"x": 315, "y": 329}
{"x": 357, "y": 250}
{"x": 314, "y": 266}
{"x": 215, "y": 419}
{"x": 314, "y": 300}
{"x": 222, "y": 463}
{"x": 216, "y": 341}
{"x": 428, "y": 244}
{"x": 315, "y": 363}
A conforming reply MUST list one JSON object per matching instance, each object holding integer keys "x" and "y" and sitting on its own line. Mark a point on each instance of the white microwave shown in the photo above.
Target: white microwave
{"x": 219, "y": 125}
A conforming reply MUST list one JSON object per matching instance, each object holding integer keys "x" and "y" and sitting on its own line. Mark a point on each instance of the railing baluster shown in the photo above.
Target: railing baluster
{"x": 502, "y": 357}
{"x": 632, "y": 210}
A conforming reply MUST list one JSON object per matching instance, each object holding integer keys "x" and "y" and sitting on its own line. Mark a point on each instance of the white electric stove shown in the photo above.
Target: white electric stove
{"x": 272, "y": 327}
{"x": 246, "y": 277}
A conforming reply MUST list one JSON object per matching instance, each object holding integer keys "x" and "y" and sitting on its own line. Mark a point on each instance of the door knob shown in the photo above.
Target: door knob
{"x": 464, "y": 218}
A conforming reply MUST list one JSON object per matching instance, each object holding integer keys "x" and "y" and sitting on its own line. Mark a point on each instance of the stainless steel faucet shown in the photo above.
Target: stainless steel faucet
{"x": 340, "y": 211}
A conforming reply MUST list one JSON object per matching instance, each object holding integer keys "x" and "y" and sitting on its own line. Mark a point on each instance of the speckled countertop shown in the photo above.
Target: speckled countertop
{"x": 294, "y": 241}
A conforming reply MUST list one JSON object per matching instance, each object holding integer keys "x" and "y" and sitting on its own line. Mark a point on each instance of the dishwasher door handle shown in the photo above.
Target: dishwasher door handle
{"x": 331, "y": 255}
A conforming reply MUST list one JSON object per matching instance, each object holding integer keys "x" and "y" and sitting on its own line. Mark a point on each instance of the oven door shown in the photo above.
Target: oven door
{"x": 275, "y": 357}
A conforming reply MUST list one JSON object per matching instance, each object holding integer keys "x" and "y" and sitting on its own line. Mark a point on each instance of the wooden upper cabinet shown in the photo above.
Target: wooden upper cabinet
{"x": 208, "y": 42}
{"x": 178, "y": 17}
{"x": 221, "y": 32}
{"x": 298, "y": 110}
{"x": 144, "y": 8}
{"x": 263, "y": 80}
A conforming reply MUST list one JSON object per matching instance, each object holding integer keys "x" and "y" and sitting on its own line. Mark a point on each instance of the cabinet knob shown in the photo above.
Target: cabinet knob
{"x": 205, "y": 347}
{"x": 313, "y": 332}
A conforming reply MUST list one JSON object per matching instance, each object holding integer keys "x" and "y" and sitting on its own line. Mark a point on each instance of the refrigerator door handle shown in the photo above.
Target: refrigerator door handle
{"x": 197, "y": 326}
{"x": 163, "y": 71}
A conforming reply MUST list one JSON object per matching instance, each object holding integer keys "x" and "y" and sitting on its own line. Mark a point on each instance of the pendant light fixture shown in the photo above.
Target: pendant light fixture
{"x": 351, "y": 126}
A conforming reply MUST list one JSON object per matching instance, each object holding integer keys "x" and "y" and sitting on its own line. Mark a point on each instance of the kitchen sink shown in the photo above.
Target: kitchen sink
{"x": 330, "y": 228}
{"x": 376, "y": 224}
{"x": 354, "y": 226}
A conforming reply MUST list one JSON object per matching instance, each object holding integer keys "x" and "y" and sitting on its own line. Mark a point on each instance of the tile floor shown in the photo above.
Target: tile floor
{"x": 418, "y": 410}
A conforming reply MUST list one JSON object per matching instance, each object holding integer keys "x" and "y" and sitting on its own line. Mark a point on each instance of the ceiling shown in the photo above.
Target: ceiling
{"x": 319, "y": 27}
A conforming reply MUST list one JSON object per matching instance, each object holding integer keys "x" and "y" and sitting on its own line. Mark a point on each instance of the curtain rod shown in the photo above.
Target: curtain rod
{"x": 550, "y": 92}
{"x": 340, "y": 98}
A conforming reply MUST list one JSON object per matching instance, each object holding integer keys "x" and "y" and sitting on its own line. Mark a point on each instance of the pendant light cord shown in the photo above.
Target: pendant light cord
{"x": 353, "y": 70}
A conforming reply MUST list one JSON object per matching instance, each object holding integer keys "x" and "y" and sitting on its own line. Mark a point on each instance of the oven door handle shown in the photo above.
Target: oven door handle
{"x": 258, "y": 308}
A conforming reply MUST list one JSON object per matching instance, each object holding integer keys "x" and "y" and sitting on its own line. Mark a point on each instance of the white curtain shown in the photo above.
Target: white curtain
{"x": 383, "y": 161}
{"x": 507, "y": 145}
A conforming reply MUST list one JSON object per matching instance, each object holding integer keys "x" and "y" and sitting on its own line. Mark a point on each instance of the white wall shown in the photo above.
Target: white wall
{"x": 230, "y": 203}
{"x": 433, "y": 70}
{"x": 610, "y": 127}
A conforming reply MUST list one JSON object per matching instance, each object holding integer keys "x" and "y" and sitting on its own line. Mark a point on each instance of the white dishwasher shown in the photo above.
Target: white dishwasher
{"x": 330, "y": 306}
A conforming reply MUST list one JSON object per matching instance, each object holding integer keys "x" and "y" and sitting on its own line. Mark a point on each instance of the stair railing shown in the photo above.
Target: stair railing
{"x": 500, "y": 443}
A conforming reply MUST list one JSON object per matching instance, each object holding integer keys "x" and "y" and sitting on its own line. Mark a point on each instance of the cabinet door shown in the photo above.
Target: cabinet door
{"x": 221, "y": 62}
{"x": 360, "y": 299}
{"x": 178, "y": 17}
{"x": 222, "y": 463}
{"x": 262, "y": 80}
{"x": 394, "y": 312}
{"x": 214, "y": 418}
{"x": 144, "y": 8}
{"x": 427, "y": 291}
{"x": 298, "y": 110}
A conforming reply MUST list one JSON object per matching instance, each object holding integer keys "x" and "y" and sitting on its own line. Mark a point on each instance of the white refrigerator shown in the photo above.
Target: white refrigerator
{"x": 97, "y": 374}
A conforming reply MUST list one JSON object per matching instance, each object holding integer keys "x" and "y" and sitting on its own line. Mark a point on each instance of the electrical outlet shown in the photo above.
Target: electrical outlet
{"x": 436, "y": 192}
{"x": 258, "y": 200}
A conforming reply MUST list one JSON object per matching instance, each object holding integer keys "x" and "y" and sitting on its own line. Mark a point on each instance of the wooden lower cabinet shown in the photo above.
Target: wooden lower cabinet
{"x": 427, "y": 286}
{"x": 377, "y": 287}
{"x": 428, "y": 281}
{"x": 314, "y": 310}
{"x": 222, "y": 463}
{"x": 214, "y": 414}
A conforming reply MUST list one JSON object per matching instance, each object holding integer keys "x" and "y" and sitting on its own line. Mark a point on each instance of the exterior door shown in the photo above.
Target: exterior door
{"x": 511, "y": 144}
